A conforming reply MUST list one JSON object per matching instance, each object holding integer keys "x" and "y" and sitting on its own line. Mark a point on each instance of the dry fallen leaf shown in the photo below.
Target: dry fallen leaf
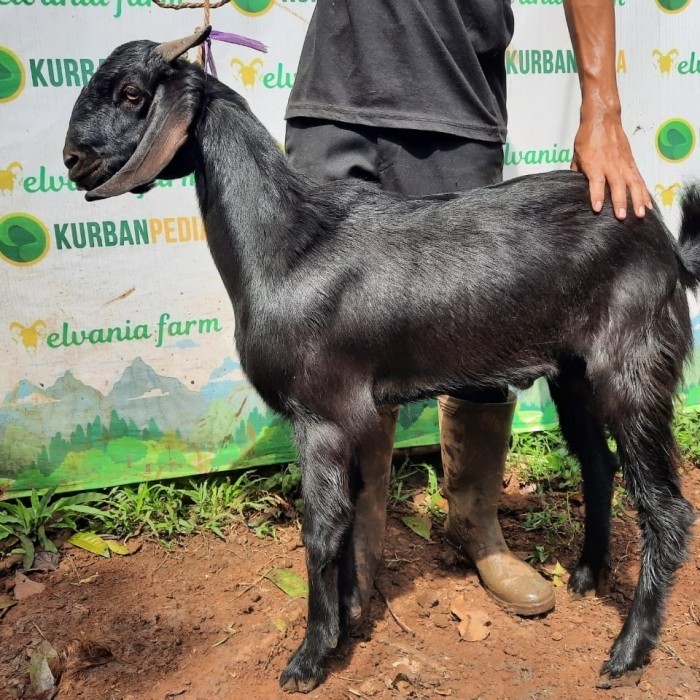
{"x": 90, "y": 542}
{"x": 558, "y": 573}
{"x": 25, "y": 587}
{"x": 419, "y": 524}
{"x": 280, "y": 624}
{"x": 46, "y": 561}
{"x": 288, "y": 581}
{"x": 7, "y": 601}
{"x": 459, "y": 608}
{"x": 403, "y": 679}
{"x": 44, "y": 671}
{"x": 475, "y": 628}
{"x": 428, "y": 600}
{"x": 118, "y": 548}
{"x": 474, "y": 625}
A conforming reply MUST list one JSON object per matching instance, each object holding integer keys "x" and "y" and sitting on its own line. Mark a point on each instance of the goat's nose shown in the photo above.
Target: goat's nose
{"x": 70, "y": 160}
{"x": 71, "y": 155}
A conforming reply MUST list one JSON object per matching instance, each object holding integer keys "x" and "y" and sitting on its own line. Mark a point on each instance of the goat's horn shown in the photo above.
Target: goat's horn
{"x": 170, "y": 50}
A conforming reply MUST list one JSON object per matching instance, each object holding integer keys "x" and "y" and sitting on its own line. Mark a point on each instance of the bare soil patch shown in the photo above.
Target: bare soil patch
{"x": 157, "y": 622}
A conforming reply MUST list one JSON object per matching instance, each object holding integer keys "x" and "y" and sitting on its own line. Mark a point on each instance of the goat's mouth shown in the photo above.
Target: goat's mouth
{"x": 90, "y": 176}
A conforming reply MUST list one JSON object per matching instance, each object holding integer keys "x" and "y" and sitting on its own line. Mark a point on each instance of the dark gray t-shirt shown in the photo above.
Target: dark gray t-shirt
{"x": 435, "y": 65}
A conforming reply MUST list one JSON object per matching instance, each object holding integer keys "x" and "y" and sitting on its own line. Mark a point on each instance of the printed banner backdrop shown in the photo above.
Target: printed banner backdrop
{"x": 115, "y": 331}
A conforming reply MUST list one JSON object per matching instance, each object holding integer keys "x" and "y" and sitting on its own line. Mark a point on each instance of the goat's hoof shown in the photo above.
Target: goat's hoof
{"x": 608, "y": 679}
{"x": 302, "y": 674}
{"x": 585, "y": 579}
{"x": 357, "y": 620}
{"x": 582, "y": 581}
{"x": 296, "y": 685}
{"x": 626, "y": 663}
{"x": 342, "y": 648}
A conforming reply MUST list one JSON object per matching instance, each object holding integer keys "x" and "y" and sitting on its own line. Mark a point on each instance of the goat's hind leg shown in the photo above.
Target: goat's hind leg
{"x": 648, "y": 457}
{"x": 638, "y": 399}
{"x": 582, "y": 427}
{"x": 324, "y": 454}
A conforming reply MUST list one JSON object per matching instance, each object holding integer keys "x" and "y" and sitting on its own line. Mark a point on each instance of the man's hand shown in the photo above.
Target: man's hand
{"x": 603, "y": 154}
{"x": 601, "y": 149}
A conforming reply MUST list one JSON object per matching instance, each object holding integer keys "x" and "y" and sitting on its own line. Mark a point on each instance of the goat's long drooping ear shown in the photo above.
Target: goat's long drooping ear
{"x": 174, "y": 107}
{"x": 170, "y": 50}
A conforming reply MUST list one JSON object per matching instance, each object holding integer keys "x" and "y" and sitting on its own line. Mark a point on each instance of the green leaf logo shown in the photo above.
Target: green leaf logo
{"x": 24, "y": 240}
{"x": 253, "y": 8}
{"x": 675, "y": 140}
{"x": 672, "y": 6}
{"x": 11, "y": 75}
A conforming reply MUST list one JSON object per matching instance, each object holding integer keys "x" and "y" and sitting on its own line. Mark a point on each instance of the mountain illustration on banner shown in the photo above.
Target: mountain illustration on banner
{"x": 139, "y": 394}
{"x": 146, "y": 426}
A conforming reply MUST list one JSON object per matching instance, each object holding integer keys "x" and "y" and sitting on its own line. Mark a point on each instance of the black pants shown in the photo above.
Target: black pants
{"x": 398, "y": 160}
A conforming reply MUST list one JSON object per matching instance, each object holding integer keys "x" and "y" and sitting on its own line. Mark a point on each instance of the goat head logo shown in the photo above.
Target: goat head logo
{"x": 665, "y": 61}
{"x": 667, "y": 195}
{"x": 9, "y": 177}
{"x": 29, "y": 336}
{"x": 248, "y": 73}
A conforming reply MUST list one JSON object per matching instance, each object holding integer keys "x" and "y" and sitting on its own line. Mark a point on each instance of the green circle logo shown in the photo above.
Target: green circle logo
{"x": 253, "y": 8}
{"x": 675, "y": 140}
{"x": 11, "y": 75}
{"x": 24, "y": 240}
{"x": 672, "y": 6}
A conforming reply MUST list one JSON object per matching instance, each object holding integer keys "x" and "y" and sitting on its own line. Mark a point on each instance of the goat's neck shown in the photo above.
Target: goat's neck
{"x": 249, "y": 198}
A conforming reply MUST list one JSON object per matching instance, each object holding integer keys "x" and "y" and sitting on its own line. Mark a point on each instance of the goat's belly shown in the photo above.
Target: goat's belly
{"x": 413, "y": 384}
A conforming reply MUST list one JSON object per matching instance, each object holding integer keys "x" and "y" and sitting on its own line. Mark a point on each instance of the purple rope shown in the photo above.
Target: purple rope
{"x": 229, "y": 38}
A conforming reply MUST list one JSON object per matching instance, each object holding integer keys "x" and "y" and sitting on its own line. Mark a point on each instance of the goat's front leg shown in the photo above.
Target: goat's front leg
{"x": 324, "y": 454}
{"x": 583, "y": 430}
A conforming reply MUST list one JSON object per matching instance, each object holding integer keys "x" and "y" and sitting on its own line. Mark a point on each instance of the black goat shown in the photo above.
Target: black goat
{"x": 347, "y": 297}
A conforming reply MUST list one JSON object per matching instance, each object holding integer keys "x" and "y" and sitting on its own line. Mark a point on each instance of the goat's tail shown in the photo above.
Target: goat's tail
{"x": 689, "y": 239}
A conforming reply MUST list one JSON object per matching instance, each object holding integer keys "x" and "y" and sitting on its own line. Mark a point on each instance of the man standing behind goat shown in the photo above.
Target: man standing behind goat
{"x": 411, "y": 94}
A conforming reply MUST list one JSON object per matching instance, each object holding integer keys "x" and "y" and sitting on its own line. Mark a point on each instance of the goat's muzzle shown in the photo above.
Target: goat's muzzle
{"x": 82, "y": 167}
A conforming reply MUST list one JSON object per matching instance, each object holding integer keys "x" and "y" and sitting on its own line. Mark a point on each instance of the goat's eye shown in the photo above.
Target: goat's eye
{"x": 133, "y": 94}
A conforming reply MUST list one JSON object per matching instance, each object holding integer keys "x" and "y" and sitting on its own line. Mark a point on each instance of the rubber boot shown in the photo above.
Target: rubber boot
{"x": 374, "y": 457}
{"x": 474, "y": 439}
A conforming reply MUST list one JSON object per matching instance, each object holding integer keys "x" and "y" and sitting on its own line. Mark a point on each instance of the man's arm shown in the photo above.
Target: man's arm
{"x": 601, "y": 149}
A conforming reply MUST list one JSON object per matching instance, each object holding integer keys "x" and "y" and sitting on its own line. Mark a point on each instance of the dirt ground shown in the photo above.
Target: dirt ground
{"x": 161, "y": 615}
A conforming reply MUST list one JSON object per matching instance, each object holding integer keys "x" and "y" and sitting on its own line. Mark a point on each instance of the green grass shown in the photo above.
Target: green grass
{"x": 415, "y": 487}
{"x": 210, "y": 504}
{"x": 31, "y": 522}
{"x": 687, "y": 431}
{"x": 161, "y": 511}
{"x": 542, "y": 458}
